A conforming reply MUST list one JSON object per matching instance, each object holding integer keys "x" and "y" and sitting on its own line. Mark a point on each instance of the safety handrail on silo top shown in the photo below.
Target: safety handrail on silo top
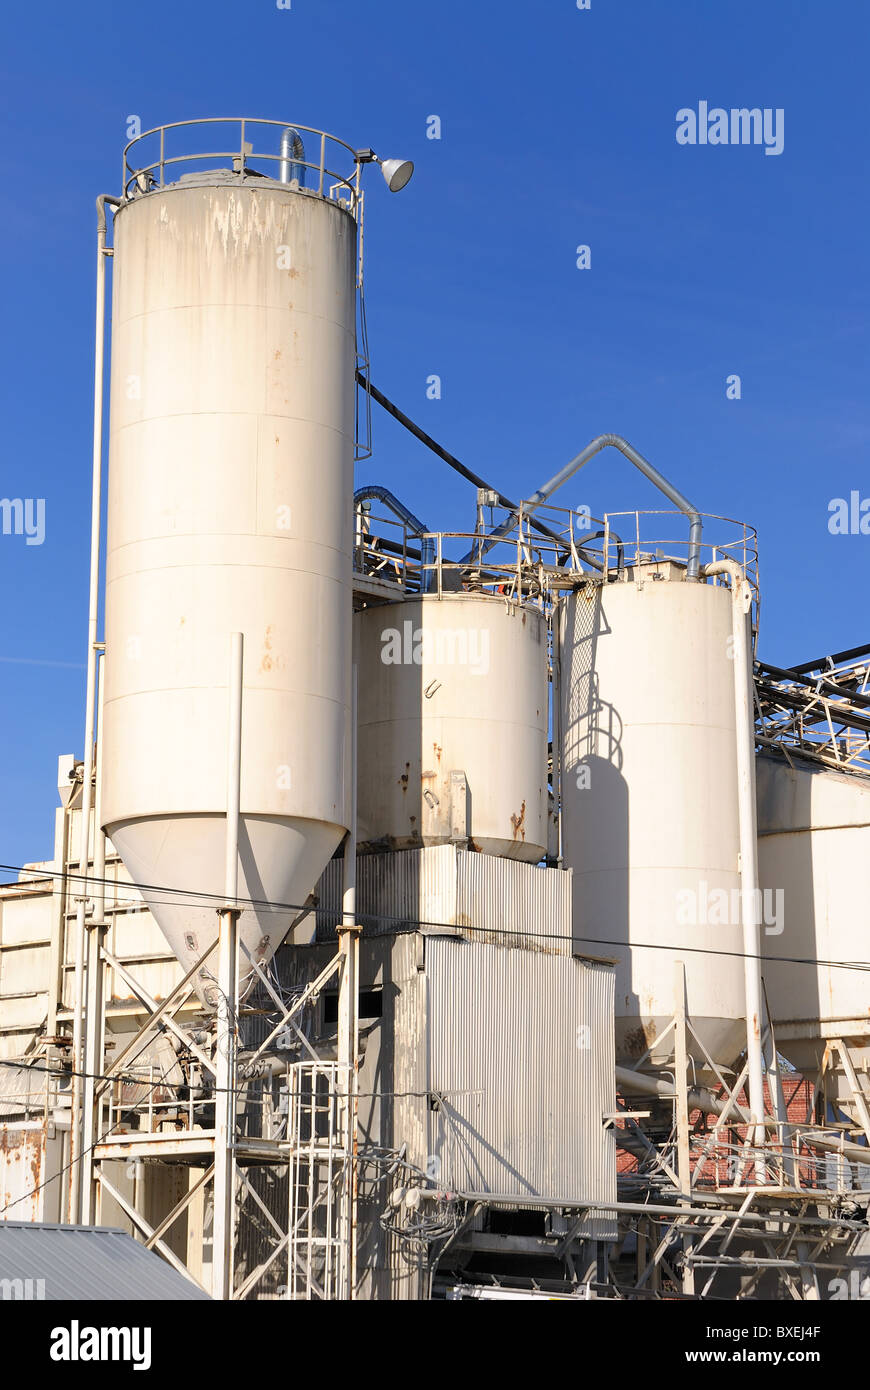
{"x": 131, "y": 175}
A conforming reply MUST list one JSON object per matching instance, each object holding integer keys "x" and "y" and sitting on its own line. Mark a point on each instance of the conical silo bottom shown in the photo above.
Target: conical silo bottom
{"x": 178, "y": 865}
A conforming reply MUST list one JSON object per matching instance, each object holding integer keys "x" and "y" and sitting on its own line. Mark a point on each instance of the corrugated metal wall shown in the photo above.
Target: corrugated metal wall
{"x": 513, "y": 904}
{"x": 394, "y": 891}
{"x": 520, "y": 1046}
{"x": 499, "y": 900}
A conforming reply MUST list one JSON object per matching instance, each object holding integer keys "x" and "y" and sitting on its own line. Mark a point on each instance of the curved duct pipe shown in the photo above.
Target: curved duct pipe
{"x": 292, "y": 149}
{"x": 414, "y": 524}
{"x": 615, "y": 441}
{"x": 620, "y": 544}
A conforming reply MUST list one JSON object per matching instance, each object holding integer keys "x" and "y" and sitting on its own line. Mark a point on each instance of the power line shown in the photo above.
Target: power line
{"x": 55, "y": 1177}
{"x": 192, "y": 897}
{"x": 134, "y": 1079}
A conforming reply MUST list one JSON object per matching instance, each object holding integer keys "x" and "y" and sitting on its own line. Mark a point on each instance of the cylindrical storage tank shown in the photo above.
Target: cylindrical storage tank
{"x": 453, "y": 715}
{"x": 814, "y": 872}
{"x": 649, "y": 803}
{"x": 230, "y": 487}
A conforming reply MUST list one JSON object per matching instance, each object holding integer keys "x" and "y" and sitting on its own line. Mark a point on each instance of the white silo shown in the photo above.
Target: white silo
{"x": 813, "y": 836}
{"x": 453, "y": 714}
{"x": 650, "y": 802}
{"x": 230, "y": 487}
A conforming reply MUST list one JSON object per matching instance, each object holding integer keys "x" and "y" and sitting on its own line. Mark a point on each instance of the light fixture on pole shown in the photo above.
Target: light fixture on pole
{"x": 396, "y": 172}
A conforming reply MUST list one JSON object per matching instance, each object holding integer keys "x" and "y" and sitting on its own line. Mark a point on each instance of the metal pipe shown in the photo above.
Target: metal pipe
{"x": 615, "y": 441}
{"x": 349, "y": 861}
{"x": 227, "y": 1008}
{"x": 99, "y": 916}
{"x": 533, "y": 1201}
{"x": 639, "y": 1083}
{"x": 234, "y": 766}
{"x": 94, "y": 1011}
{"x": 348, "y": 1021}
{"x": 741, "y": 604}
{"x": 88, "y": 758}
{"x": 417, "y": 527}
{"x": 777, "y": 1097}
{"x": 835, "y": 658}
{"x": 58, "y": 924}
{"x": 556, "y": 696}
{"x": 292, "y": 148}
{"x": 681, "y": 1082}
{"x": 814, "y": 684}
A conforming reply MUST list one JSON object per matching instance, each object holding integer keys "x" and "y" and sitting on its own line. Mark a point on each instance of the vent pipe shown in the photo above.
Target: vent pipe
{"x": 292, "y": 157}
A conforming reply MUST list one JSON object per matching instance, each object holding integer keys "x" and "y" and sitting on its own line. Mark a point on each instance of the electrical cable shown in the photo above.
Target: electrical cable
{"x": 404, "y": 924}
{"x": 91, "y": 1147}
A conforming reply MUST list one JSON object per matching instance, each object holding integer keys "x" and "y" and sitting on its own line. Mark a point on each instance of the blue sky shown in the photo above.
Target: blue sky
{"x": 558, "y": 128}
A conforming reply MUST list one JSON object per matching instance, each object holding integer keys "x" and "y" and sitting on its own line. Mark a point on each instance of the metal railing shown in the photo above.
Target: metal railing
{"x": 138, "y": 176}
{"x": 643, "y": 543}
{"x": 514, "y": 567}
{"x": 543, "y": 552}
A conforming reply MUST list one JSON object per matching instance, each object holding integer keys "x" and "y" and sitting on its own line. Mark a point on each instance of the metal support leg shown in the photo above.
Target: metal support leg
{"x": 94, "y": 1016}
{"x": 681, "y": 1070}
{"x": 348, "y": 1027}
{"x": 226, "y": 1043}
{"x": 225, "y": 1106}
{"x": 789, "y": 1173}
{"x": 858, "y": 1097}
{"x": 348, "y": 1057}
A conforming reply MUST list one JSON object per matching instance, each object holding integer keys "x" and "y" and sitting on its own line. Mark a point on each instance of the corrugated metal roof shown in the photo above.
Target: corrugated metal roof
{"x": 84, "y": 1263}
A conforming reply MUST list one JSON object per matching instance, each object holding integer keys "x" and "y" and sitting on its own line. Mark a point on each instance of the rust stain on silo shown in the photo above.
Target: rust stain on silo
{"x": 519, "y": 823}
